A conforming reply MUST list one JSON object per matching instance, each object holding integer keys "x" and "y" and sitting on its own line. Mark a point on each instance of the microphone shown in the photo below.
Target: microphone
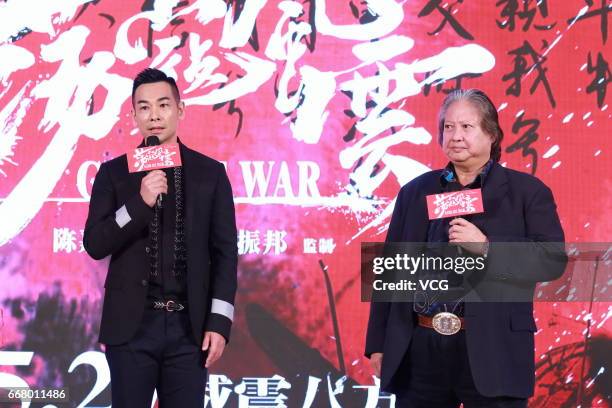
{"x": 149, "y": 142}
{"x": 154, "y": 156}
{"x": 152, "y": 141}
{"x": 455, "y": 204}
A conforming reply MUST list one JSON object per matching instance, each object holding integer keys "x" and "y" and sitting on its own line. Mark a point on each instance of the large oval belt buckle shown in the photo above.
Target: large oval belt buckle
{"x": 446, "y": 323}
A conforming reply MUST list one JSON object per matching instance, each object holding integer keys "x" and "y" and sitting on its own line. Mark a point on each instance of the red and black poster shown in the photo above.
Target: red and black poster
{"x": 321, "y": 110}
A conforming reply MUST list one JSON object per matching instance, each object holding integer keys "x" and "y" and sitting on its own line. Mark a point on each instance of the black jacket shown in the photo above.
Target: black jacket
{"x": 210, "y": 237}
{"x": 500, "y": 336}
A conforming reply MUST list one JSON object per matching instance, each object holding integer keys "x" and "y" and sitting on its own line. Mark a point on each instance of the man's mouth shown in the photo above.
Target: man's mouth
{"x": 156, "y": 129}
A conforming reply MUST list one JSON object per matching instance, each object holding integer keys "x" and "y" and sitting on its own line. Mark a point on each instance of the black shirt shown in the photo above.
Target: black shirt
{"x": 165, "y": 285}
{"x": 430, "y": 303}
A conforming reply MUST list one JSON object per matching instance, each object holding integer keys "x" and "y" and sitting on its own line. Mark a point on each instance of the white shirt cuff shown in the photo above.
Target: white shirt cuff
{"x": 122, "y": 217}
{"x": 223, "y": 308}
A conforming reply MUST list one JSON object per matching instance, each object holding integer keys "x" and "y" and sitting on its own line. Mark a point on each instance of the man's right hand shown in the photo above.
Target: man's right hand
{"x": 376, "y": 362}
{"x": 152, "y": 185}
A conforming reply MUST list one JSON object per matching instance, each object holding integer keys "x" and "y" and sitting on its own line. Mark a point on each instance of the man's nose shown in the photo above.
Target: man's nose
{"x": 154, "y": 114}
{"x": 457, "y": 135}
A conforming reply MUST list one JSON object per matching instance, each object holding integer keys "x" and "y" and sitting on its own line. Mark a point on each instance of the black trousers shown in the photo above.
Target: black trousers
{"x": 435, "y": 373}
{"x": 162, "y": 356}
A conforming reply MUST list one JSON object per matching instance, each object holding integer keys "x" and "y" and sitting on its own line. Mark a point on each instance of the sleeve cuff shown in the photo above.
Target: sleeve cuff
{"x": 219, "y": 324}
{"x": 122, "y": 217}
{"x": 223, "y": 308}
{"x": 137, "y": 210}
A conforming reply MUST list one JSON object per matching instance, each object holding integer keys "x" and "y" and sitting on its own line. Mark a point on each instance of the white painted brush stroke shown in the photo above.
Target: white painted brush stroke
{"x": 383, "y": 50}
{"x": 236, "y": 34}
{"x": 390, "y": 15}
{"x": 14, "y": 58}
{"x": 68, "y": 94}
{"x": 11, "y": 117}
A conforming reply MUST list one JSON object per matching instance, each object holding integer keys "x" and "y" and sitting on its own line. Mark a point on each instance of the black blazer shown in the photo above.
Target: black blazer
{"x": 499, "y": 336}
{"x": 210, "y": 237}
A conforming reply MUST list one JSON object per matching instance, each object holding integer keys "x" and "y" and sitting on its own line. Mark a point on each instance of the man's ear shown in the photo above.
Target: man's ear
{"x": 181, "y": 110}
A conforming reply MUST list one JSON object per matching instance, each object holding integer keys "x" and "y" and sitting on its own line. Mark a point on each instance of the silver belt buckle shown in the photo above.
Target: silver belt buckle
{"x": 169, "y": 306}
{"x": 446, "y": 323}
{"x": 172, "y": 306}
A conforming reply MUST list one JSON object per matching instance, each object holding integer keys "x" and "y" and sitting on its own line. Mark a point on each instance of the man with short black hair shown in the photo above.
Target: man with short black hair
{"x": 169, "y": 292}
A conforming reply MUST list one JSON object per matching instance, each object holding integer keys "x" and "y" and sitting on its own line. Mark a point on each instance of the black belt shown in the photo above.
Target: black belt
{"x": 168, "y": 306}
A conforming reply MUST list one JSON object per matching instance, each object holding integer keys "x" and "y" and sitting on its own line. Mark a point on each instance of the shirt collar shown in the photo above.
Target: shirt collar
{"x": 449, "y": 176}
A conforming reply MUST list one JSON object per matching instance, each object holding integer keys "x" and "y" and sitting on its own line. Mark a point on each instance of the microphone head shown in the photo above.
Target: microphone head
{"x": 152, "y": 141}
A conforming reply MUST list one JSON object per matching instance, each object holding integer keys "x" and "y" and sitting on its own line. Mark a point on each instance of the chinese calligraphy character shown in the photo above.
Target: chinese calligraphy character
{"x": 275, "y": 240}
{"x": 326, "y": 245}
{"x": 374, "y": 395}
{"x": 217, "y": 392}
{"x": 447, "y": 13}
{"x": 526, "y": 140}
{"x": 511, "y": 12}
{"x": 334, "y": 389}
{"x": 305, "y": 103}
{"x": 310, "y": 246}
{"x": 381, "y": 123}
{"x": 602, "y": 78}
{"x": 382, "y": 126}
{"x": 64, "y": 239}
{"x": 248, "y": 242}
{"x": 522, "y": 68}
{"x": 602, "y": 12}
{"x": 68, "y": 111}
{"x": 262, "y": 392}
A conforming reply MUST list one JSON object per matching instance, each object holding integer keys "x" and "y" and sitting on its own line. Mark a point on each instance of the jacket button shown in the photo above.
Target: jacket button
{"x": 144, "y": 282}
{"x": 147, "y": 249}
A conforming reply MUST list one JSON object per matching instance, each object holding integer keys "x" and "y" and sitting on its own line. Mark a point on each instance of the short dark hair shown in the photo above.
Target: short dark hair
{"x": 489, "y": 121}
{"x": 152, "y": 75}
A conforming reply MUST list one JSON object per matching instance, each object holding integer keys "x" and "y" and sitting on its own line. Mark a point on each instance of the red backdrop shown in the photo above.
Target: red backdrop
{"x": 321, "y": 111}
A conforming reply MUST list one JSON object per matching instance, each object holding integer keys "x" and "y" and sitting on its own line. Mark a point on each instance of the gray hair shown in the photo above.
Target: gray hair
{"x": 489, "y": 121}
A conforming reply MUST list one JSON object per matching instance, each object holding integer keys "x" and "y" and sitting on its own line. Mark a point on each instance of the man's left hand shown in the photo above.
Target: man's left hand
{"x": 467, "y": 235}
{"x": 214, "y": 343}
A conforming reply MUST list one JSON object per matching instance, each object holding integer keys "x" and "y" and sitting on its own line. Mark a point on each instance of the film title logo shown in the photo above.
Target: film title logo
{"x": 454, "y": 204}
{"x": 154, "y": 157}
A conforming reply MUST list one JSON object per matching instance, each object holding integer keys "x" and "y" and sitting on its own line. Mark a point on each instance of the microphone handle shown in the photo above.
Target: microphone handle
{"x": 459, "y": 249}
{"x": 149, "y": 142}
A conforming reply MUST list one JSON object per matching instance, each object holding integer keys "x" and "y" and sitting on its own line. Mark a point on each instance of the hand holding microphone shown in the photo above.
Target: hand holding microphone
{"x": 455, "y": 204}
{"x": 155, "y": 183}
{"x": 467, "y": 236}
{"x": 152, "y": 185}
